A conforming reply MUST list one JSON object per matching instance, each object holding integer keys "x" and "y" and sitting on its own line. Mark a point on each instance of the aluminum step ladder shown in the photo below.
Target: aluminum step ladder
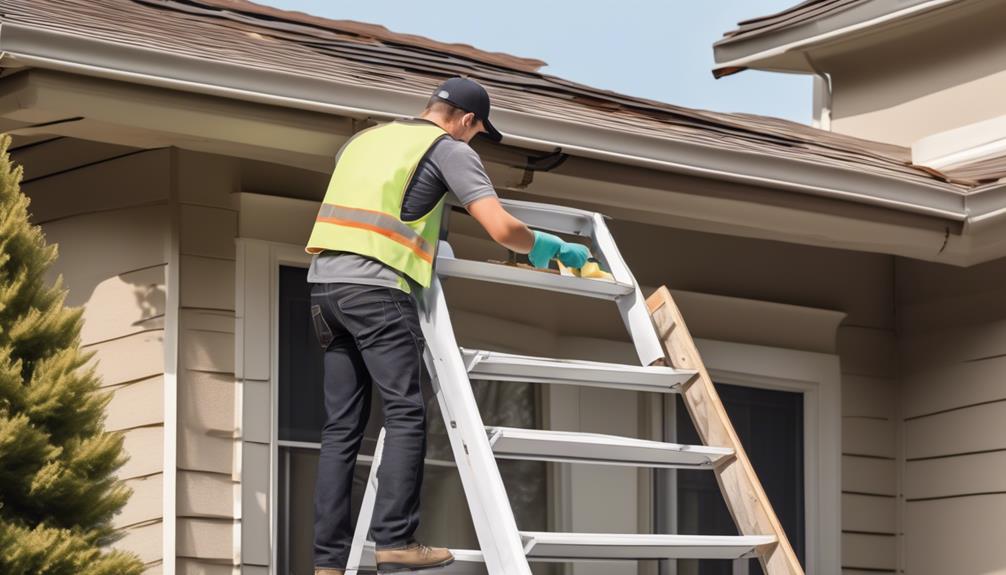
{"x": 504, "y": 549}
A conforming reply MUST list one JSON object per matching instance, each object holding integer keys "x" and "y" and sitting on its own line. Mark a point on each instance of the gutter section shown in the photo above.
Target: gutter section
{"x": 734, "y": 56}
{"x": 54, "y": 50}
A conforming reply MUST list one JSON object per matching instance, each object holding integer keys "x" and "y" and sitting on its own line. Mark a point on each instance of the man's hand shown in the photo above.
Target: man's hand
{"x": 548, "y": 246}
{"x": 573, "y": 255}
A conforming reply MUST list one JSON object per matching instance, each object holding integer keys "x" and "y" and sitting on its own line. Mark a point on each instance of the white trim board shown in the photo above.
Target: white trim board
{"x": 256, "y": 344}
{"x": 963, "y": 145}
{"x": 169, "y": 490}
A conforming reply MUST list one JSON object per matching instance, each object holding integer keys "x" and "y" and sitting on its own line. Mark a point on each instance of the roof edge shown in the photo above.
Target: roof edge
{"x": 89, "y": 57}
{"x": 753, "y": 52}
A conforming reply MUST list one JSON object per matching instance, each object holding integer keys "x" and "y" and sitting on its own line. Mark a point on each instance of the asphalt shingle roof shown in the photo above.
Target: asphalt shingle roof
{"x": 241, "y": 33}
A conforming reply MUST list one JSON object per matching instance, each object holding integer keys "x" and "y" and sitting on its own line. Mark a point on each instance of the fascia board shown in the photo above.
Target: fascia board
{"x": 936, "y": 199}
{"x": 146, "y": 116}
{"x": 55, "y": 50}
{"x": 962, "y": 145}
{"x": 752, "y": 52}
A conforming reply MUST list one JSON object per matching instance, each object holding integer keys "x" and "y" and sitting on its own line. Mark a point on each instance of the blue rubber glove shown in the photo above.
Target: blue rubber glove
{"x": 545, "y": 247}
{"x": 573, "y": 255}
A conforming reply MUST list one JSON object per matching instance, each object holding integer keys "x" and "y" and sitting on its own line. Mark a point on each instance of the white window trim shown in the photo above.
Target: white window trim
{"x": 280, "y": 255}
{"x": 257, "y": 286}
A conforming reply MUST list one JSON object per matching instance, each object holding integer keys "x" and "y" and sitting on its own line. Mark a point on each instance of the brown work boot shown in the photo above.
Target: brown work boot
{"x": 327, "y": 571}
{"x": 412, "y": 558}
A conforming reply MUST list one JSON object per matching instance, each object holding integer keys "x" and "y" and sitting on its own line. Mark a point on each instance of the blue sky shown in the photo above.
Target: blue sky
{"x": 658, "y": 49}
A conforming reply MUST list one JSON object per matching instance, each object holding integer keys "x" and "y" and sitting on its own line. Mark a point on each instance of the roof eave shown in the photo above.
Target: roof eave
{"x": 773, "y": 51}
{"x": 85, "y": 56}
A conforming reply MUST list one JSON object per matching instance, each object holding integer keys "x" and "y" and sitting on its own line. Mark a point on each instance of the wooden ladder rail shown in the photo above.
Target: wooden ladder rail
{"x": 742, "y": 491}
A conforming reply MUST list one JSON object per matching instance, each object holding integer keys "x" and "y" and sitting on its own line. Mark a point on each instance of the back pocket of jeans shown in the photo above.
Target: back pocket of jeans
{"x": 321, "y": 328}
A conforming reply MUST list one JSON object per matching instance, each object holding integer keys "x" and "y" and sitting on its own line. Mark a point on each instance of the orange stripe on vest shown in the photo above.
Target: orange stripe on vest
{"x": 409, "y": 243}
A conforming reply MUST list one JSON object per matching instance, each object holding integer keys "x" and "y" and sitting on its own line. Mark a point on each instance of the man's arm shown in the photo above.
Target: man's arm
{"x": 465, "y": 176}
{"x": 512, "y": 234}
{"x": 503, "y": 228}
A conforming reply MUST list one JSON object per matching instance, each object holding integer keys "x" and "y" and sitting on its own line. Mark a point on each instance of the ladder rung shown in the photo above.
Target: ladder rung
{"x": 551, "y": 546}
{"x": 577, "y": 447}
{"x": 633, "y": 546}
{"x": 498, "y": 273}
{"x": 466, "y": 562}
{"x": 510, "y": 367}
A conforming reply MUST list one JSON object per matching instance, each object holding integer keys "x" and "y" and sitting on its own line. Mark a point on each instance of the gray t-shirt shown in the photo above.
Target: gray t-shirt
{"x": 450, "y": 166}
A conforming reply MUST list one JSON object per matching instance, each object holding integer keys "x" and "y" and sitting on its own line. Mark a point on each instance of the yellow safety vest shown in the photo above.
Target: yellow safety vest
{"x": 361, "y": 212}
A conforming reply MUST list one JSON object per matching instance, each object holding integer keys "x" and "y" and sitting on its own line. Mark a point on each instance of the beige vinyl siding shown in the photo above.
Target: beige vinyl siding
{"x": 921, "y": 81}
{"x": 961, "y": 535}
{"x": 953, "y": 354}
{"x": 106, "y": 208}
{"x": 919, "y": 113}
{"x": 869, "y": 449}
{"x": 208, "y": 432}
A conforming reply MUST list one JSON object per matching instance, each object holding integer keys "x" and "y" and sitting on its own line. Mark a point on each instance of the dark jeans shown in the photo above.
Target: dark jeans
{"x": 369, "y": 334}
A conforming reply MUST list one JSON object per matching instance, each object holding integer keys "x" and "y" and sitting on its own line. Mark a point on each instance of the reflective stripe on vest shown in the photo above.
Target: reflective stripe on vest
{"x": 379, "y": 222}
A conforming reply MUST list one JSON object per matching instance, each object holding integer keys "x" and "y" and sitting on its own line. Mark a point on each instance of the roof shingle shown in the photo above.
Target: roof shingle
{"x": 790, "y": 17}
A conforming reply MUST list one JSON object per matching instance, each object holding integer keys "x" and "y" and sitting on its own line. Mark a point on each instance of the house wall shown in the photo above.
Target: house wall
{"x": 952, "y": 345}
{"x": 858, "y": 284}
{"x": 112, "y": 211}
{"x": 107, "y": 209}
{"x": 922, "y": 78}
{"x": 208, "y": 413}
{"x": 127, "y": 216}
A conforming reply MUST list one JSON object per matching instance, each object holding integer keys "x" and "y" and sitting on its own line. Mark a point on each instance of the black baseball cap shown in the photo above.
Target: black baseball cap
{"x": 470, "y": 97}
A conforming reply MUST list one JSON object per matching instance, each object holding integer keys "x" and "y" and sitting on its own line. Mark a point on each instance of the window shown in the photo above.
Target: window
{"x": 277, "y": 468}
{"x": 446, "y": 519}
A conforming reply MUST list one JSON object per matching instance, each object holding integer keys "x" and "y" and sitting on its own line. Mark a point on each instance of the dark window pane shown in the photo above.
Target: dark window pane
{"x": 770, "y": 426}
{"x": 301, "y": 414}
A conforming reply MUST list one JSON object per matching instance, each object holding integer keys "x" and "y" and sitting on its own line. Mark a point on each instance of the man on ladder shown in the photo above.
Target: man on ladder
{"x": 374, "y": 242}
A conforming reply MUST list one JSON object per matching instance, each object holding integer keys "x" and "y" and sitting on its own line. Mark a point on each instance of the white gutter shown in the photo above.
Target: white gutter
{"x": 89, "y": 57}
{"x": 747, "y": 61}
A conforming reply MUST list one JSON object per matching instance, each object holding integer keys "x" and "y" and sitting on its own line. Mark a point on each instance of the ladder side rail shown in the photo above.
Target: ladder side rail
{"x": 492, "y": 516}
{"x": 742, "y": 490}
{"x": 363, "y": 520}
{"x": 632, "y": 306}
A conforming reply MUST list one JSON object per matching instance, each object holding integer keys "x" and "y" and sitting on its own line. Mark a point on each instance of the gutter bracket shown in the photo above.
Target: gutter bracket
{"x": 543, "y": 163}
